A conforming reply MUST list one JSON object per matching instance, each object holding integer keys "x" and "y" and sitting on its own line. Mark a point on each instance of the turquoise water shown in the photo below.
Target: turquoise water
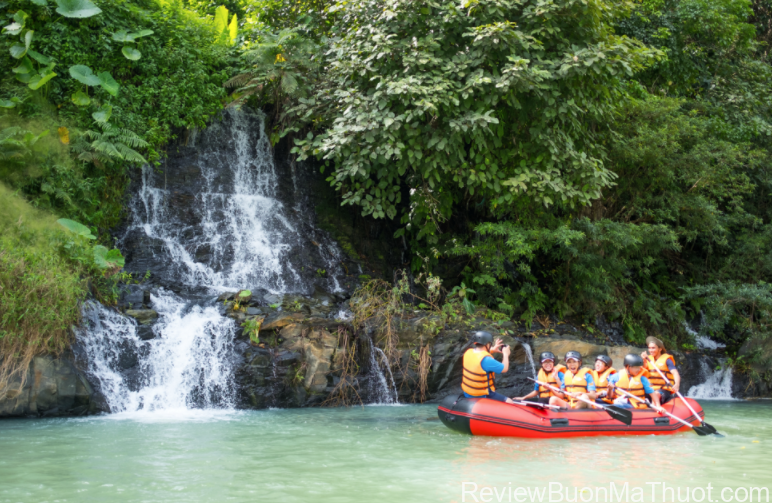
{"x": 378, "y": 454}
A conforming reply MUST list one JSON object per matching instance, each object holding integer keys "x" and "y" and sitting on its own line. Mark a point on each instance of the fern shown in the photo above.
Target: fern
{"x": 111, "y": 144}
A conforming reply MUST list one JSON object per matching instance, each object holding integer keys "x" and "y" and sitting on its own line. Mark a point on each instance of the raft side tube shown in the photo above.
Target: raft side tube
{"x": 456, "y": 422}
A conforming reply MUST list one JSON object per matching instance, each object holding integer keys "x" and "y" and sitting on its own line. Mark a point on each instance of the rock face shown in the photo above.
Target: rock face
{"x": 54, "y": 387}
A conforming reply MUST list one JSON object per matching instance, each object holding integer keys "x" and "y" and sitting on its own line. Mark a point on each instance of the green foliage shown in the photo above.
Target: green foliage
{"x": 495, "y": 101}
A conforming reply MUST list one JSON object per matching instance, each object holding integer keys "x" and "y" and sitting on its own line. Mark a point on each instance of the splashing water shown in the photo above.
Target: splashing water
{"x": 380, "y": 389}
{"x": 529, "y": 354}
{"x": 241, "y": 234}
{"x": 703, "y": 342}
{"x": 185, "y": 366}
{"x": 717, "y": 385}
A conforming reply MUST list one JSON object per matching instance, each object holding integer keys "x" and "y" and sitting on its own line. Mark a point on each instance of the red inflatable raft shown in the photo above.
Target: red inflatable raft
{"x": 483, "y": 416}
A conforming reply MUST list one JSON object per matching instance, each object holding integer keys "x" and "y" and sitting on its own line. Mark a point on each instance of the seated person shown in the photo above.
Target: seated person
{"x": 635, "y": 381}
{"x": 658, "y": 358}
{"x": 603, "y": 370}
{"x": 578, "y": 383}
{"x": 478, "y": 378}
{"x": 549, "y": 373}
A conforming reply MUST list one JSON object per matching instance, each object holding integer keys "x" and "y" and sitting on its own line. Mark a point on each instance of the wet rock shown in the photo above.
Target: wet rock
{"x": 253, "y": 311}
{"x": 224, "y": 297}
{"x": 143, "y": 316}
{"x": 53, "y": 387}
{"x": 280, "y": 320}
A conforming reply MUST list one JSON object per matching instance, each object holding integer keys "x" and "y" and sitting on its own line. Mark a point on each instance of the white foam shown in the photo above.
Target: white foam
{"x": 717, "y": 385}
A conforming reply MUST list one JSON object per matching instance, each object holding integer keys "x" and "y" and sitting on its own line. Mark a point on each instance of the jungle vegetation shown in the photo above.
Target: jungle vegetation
{"x": 583, "y": 158}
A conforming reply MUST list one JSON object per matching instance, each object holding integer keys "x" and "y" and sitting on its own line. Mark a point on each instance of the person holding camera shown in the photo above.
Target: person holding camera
{"x": 480, "y": 368}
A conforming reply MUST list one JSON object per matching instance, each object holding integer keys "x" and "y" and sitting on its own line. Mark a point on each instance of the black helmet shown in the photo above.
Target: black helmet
{"x": 605, "y": 359}
{"x": 482, "y": 338}
{"x": 633, "y": 361}
{"x": 573, "y": 355}
{"x": 546, "y": 356}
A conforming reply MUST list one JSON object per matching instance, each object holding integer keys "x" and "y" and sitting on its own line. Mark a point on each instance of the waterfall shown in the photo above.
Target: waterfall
{"x": 382, "y": 389}
{"x": 529, "y": 354}
{"x": 224, "y": 226}
{"x": 184, "y": 366}
{"x": 217, "y": 217}
{"x": 703, "y": 342}
{"x": 717, "y": 384}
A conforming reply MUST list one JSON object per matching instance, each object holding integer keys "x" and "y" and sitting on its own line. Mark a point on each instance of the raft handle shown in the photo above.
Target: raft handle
{"x": 662, "y": 421}
{"x": 561, "y": 421}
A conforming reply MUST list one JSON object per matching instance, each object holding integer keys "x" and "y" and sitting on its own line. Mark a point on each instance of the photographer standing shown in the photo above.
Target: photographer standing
{"x": 480, "y": 368}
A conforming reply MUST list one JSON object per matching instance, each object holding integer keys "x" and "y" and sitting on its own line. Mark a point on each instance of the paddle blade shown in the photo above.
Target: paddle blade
{"x": 620, "y": 414}
{"x": 701, "y": 430}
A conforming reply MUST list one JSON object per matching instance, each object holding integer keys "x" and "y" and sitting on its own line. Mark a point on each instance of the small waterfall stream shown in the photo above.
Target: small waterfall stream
{"x": 717, "y": 383}
{"x": 382, "y": 389}
{"x": 529, "y": 355}
{"x": 211, "y": 220}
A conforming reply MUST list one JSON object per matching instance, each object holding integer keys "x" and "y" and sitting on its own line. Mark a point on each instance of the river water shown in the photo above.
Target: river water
{"x": 376, "y": 453}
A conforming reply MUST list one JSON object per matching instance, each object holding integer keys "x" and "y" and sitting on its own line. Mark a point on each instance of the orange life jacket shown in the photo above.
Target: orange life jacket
{"x": 474, "y": 380}
{"x": 545, "y": 392}
{"x": 634, "y": 386}
{"x": 656, "y": 380}
{"x": 601, "y": 382}
{"x": 577, "y": 383}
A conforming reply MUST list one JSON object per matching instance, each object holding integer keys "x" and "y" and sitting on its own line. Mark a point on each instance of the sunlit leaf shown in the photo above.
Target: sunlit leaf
{"x": 28, "y": 39}
{"x": 233, "y": 29}
{"x": 7, "y": 104}
{"x": 108, "y": 83}
{"x": 41, "y": 3}
{"x": 84, "y": 75}
{"x": 77, "y": 8}
{"x": 142, "y": 33}
{"x": 131, "y": 53}
{"x": 64, "y": 135}
{"x": 108, "y": 259}
{"x": 220, "y": 19}
{"x": 38, "y": 81}
{"x": 103, "y": 114}
{"x": 123, "y": 36}
{"x": 75, "y": 227}
{"x": 81, "y": 99}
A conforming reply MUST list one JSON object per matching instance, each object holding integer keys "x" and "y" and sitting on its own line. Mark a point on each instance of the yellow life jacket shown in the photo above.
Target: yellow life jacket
{"x": 474, "y": 380}
{"x": 656, "y": 380}
{"x": 634, "y": 386}
{"x": 601, "y": 381}
{"x": 577, "y": 383}
{"x": 545, "y": 392}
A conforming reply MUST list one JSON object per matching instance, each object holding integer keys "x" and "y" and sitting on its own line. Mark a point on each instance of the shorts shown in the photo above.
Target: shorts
{"x": 664, "y": 396}
{"x": 496, "y": 396}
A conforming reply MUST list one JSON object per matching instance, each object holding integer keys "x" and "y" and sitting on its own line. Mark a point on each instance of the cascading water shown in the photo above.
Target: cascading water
{"x": 234, "y": 232}
{"x": 211, "y": 220}
{"x": 184, "y": 366}
{"x": 717, "y": 385}
{"x": 383, "y": 391}
{"x": 529, "y": 355}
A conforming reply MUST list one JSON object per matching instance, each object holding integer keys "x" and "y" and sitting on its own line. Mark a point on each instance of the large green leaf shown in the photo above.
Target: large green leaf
{"x": 131, "y": 53}
{"x": 43, "y": 60}
{"x": 41, "y": 3}
{"x": 220, "y": 19}
{"x": 38, "y": 81}
{"x": 24, "y": 67}
{"x": 81, "y": 99}
{"x": 233, "y": 28}
{"x": 28, "y": 39}
{"x": 18, "y": 51}
{"x": 77, "y": 8}
{"x": 108, "y": 259}
{"x": 7, "y": 104}
{"x": 84, "y": 75}
{"x": 108, "y": 83}
{"x": 123, "y": 36}
{"x": 142, "y": 33}
{"x": 75, "y": 227}
{"x": 19, "y": 20}
{"x": 24, "y": 77}
{"x": 103, "y": 114}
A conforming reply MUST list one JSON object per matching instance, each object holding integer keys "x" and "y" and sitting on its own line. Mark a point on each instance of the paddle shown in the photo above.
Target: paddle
{"x": 618, "y": 413}
{"x": 706, "y": 426}
{"x": 699, "y": 430}
{"x": 537, "y": 405}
